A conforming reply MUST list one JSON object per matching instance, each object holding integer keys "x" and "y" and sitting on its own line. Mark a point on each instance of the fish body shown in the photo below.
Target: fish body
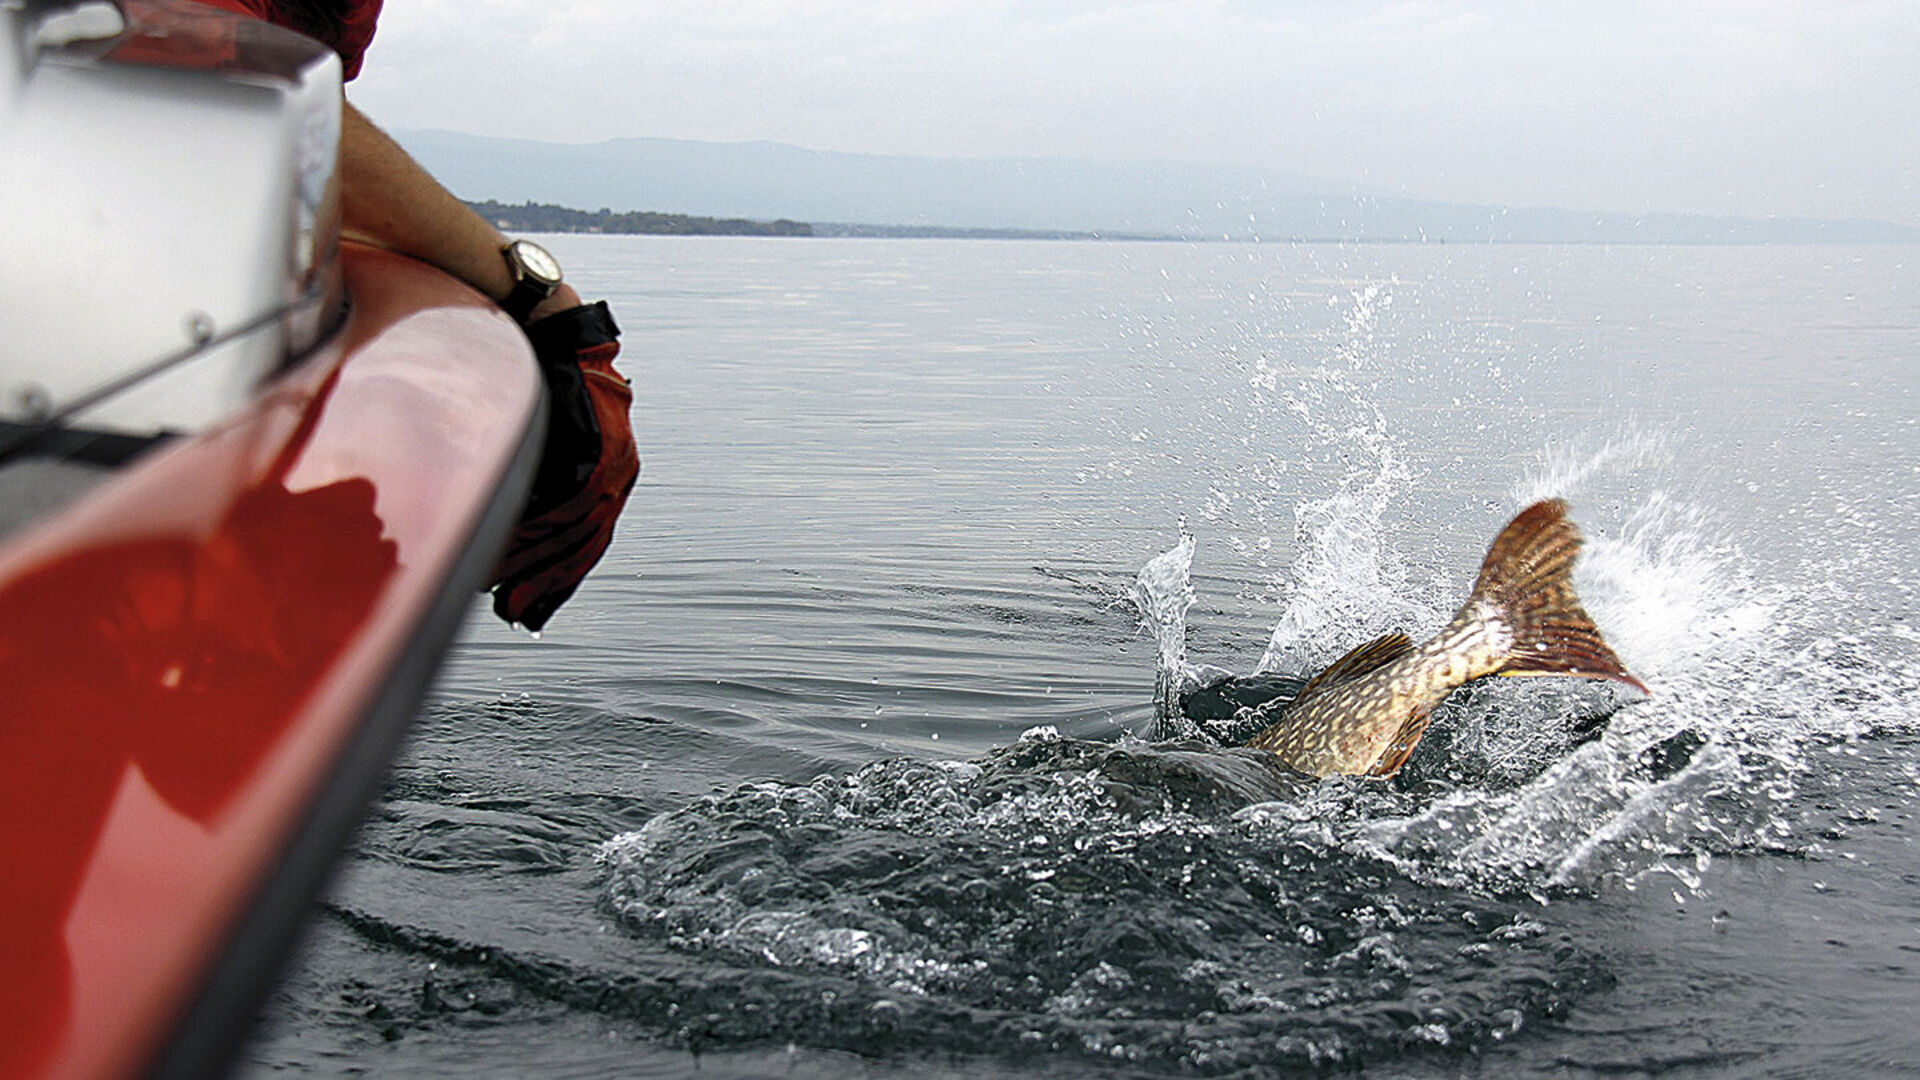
{"x": 1364, "y": 714}
{"x": 1224, "y": 701}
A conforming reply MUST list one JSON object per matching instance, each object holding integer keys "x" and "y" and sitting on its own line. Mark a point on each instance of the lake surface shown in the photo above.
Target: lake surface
{"x": 803, "y": 781}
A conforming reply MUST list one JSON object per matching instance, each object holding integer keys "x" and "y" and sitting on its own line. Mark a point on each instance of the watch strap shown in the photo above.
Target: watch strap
{"x": 525, "y": 296}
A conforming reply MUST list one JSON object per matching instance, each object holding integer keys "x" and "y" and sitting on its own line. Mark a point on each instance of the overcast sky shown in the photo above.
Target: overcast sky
{"x": 1752, "y": 107}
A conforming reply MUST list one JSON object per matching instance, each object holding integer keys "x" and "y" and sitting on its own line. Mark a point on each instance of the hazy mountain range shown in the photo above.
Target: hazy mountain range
{"x": 769, "y": 180}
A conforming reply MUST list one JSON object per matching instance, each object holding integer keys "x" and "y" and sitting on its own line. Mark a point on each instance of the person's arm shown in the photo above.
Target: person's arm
{"x": 389, "y": 200}
{"x": 589, "y": 462}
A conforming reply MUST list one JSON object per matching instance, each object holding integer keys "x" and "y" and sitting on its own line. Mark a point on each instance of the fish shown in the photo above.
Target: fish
{"x": 1366, "y": 712}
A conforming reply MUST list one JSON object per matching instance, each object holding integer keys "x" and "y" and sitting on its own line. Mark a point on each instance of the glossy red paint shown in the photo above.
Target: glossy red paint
{"x": 184, "y": 654}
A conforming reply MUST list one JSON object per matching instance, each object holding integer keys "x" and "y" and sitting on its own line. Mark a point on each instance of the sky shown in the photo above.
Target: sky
{"x": 1743, "y": 107}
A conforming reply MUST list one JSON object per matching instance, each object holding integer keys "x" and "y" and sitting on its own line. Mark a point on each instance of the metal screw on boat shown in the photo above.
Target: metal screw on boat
{"x": 33, "y": 403}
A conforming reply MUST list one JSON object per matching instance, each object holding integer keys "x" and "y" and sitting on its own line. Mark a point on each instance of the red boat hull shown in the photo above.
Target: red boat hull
{"x": 206, "y": 663}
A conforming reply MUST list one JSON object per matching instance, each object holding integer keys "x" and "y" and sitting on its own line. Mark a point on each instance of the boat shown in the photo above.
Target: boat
{"x": 252, "y": 477}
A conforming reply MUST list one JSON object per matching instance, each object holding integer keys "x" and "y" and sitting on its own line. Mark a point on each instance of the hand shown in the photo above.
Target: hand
{"x": 562, "y": 299}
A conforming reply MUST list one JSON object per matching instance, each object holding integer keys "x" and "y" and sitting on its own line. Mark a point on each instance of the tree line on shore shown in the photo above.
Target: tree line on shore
{"x": 546, "y": 217}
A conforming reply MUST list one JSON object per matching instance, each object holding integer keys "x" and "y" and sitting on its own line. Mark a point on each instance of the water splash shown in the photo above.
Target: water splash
{"x": 1162, "y": 594}
{"x": 1188, "y": 908}
{"x": 1067, "y": 897}
{"x": 1538, "y": 785}
{"x": 1346, "y": 588}
{"x": 1327, "y": 417}
{"x": 1747, "y": 676}
{"x": 1565, "y": 471}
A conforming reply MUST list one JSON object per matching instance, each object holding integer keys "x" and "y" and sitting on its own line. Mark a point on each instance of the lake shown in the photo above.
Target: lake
{"x": 799, "y": 783}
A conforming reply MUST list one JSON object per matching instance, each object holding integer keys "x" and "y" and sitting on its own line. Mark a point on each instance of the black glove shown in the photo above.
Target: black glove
{"x": 586, "y": 470}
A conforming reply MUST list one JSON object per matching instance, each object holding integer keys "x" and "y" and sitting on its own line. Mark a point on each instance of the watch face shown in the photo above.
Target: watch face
{"x": 538, "y": 264}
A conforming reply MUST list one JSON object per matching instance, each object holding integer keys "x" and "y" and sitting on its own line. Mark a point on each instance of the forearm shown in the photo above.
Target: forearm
{"x": 388, "y": 199}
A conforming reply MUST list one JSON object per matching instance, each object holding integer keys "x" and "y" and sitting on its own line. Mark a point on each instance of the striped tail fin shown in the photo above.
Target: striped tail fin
{"x": 1527, "y": 581}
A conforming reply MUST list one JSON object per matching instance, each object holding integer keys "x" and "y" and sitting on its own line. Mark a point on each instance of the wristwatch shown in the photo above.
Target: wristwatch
{"x": 536, "y": 274}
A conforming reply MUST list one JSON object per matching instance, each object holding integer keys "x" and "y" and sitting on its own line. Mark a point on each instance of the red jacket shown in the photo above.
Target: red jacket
{"x": 348, "y": 31}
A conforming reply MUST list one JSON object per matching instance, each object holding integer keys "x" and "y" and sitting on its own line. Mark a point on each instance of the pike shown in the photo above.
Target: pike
{"x": 1364, "y": 714}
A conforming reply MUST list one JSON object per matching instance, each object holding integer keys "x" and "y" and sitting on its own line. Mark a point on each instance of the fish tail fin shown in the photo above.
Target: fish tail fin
{"x": 1527, "y": 582}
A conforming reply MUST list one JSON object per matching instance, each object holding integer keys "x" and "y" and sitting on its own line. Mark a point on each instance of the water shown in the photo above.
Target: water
{"x": 835, "y": 767}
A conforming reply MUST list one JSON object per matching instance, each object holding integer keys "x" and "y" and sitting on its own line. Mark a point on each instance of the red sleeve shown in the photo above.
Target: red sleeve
{"x": 259, "y": 9}
{"x": 356, "y": 33}
{"x": 350, "y": 39}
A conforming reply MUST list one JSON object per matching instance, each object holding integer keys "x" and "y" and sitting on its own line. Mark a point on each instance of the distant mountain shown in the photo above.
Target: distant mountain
{"x": 766, "y": 181}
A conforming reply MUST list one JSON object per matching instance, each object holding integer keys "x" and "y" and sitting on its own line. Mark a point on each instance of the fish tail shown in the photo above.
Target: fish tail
{"x": 1527, "y": 583}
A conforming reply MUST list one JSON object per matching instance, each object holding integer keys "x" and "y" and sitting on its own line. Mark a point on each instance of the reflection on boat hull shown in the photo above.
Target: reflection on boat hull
{"x": 210, "y": 657}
